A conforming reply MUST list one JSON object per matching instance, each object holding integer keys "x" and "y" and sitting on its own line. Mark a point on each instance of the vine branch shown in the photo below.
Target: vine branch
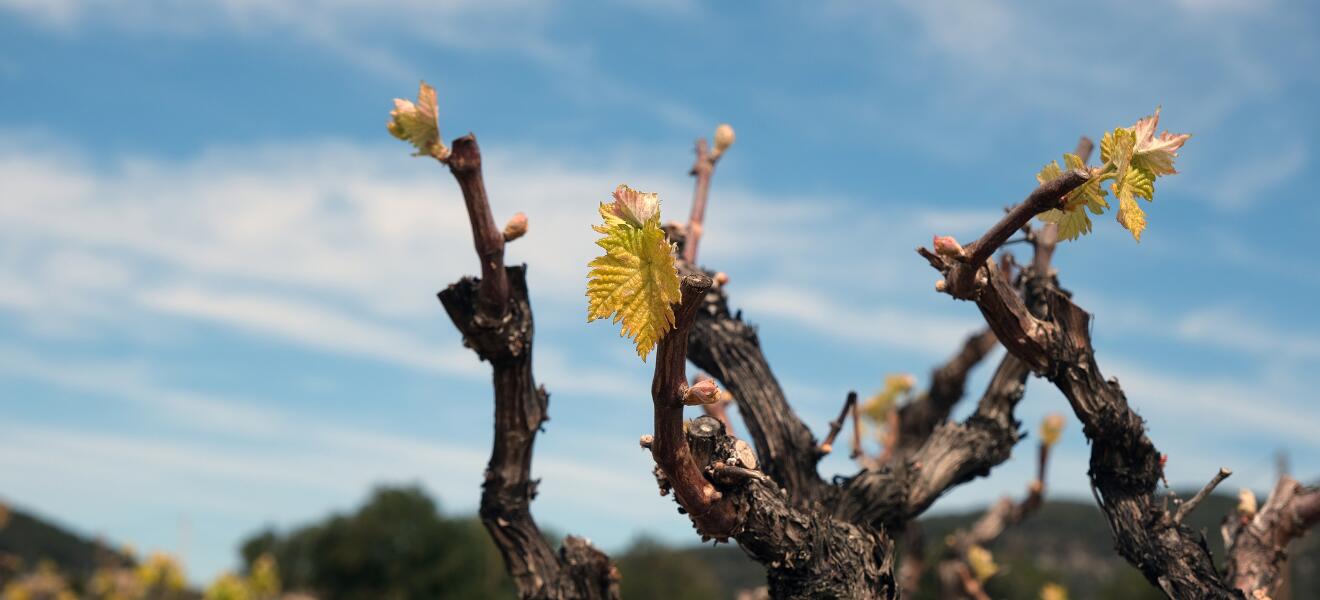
{"x": 495, "y": 317}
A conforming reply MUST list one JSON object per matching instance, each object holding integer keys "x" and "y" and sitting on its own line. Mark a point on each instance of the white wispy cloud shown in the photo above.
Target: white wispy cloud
{"x": 311, "y": 325}
{"x": 1218, "y": 407}
{"x": 994, "y": 72}
{"x": 341, "y": 248}
{"x": 215, "y": 451}
{"x": 857, "y": 322}
{"x": 1248, "y": 333}
{"x": 1254, "y": 178}
{"x": 368, "y": 35}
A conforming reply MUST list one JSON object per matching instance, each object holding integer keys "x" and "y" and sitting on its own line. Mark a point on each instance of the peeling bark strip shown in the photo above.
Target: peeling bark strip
{"x": 1257, "y": 543}
{"x": 495, "y": 317}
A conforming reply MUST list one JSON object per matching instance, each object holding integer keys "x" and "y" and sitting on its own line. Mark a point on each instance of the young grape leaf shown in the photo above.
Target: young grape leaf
{"x": 982, "y": 563}
{"x": 1154, "y": 154}
{"x": 1131, "y": 217}
{"x": 418, "y": 124}
{"x": 876, "y": 408}
{"x": 1138, "y": 157}
{"x": 1072, "y": 219}
{"x": 636, "y": 281}
{"x": 1072, "y": 223}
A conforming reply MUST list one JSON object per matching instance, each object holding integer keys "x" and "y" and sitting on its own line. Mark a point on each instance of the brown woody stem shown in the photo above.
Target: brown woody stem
{"x": 917, "y": 419}
{"x": 1049, "y": 234}
{"x": 465, "y": 164}
{"x": 670, "y": 449}
{"x": 728, "y": 348}
{"x": 856, "y": 433}
{"x": 702, "y": 169}
{"x": 961, "y": 276}
{"x": 495, "y": 317}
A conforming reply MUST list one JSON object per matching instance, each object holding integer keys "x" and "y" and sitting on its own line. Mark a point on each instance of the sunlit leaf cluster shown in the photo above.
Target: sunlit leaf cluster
{"x": 876, "y": 408}
{"x": 1133, "y": 158}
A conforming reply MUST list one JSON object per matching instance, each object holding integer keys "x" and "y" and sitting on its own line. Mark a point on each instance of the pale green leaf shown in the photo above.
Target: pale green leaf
{"x": 418, "y": 123}
{"x": 1089, "y": 194}
{"x": 1072, "y": 223}
{"x": 876, "y": 408}
{"x": 1048, "y": 172}
{"x": 1071, "y": 218}
{"x": 1156, "y": 153}
{"x": 1131, "y": 216}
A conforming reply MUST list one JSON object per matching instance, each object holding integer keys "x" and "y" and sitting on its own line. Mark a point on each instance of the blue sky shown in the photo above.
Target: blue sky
{"x": 217, "y": 271}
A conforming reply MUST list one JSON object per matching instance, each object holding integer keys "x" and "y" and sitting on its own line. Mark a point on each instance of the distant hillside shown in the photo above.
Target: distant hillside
{"x": 1069, "y": 541}
{"x": 26, "y": 540}
{"x": 1066, "y": 542}
{"x": 398, "y": 540}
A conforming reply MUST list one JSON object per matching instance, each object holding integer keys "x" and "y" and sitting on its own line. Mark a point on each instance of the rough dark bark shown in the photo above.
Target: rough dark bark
{"x": 952, "y": 454}
{"x": 917, "y": 419}
{"x": 727, "y": 347}
{"x": 495, "y": 317}
{"x": 913, "y": 561}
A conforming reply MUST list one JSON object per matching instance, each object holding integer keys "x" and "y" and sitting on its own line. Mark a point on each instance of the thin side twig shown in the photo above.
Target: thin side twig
{"x": 702, "y": 169}
{"x": 1190, "y": 505}
{"x": 836, "y": 425}
{"x": 856, "y": 433}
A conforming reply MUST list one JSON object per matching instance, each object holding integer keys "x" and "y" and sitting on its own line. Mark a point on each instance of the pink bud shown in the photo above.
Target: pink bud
{"x": 701, "y": 392}
{"x": 723, "y": 138}
{"x": 1051, "y": 429}
{"x": 721, "y": 279}
{"x": 945, "y": 245}
{"x": 516, "y": 227}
